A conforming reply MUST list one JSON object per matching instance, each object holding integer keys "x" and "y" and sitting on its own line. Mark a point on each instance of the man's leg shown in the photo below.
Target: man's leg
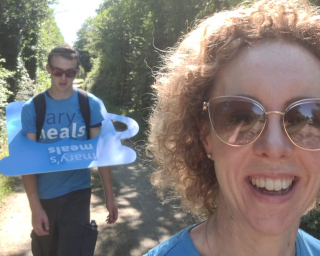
{"x": 72, "y": 222}
{"x": 47, "y": 245}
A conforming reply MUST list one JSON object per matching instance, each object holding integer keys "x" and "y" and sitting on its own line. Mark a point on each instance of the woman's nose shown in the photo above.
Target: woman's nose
{"x": 273, "y": 142}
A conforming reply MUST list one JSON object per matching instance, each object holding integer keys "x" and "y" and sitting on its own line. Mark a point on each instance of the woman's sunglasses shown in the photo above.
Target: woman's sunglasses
{"x": 239, "y": 121}
{"x": 59, "y": 72}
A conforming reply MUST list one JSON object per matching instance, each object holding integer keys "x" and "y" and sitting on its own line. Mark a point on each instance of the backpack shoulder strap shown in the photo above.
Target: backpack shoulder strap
{"x": 40, "y": 107}
{"x": 85, "y": 109}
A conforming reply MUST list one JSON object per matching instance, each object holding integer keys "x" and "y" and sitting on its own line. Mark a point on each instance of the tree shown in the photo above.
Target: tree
{"x": 28, "y": 31}
{"x": 49, "y": 36}
{"x": 20, "y": 21}
{"x": 125, "y": 39}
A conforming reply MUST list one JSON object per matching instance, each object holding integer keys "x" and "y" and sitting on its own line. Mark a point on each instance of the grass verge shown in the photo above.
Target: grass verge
{"x": 6, "y": 182}
{"x": 6, "y": 186}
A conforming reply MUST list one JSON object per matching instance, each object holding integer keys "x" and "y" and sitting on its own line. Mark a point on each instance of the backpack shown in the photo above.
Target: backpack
{"x": 40, "y": 107}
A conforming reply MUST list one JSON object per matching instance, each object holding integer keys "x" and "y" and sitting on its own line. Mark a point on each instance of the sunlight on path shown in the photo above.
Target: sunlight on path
{"x": 15, "y": 226}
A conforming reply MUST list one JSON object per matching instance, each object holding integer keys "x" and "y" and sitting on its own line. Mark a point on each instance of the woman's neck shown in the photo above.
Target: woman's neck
{"x": 222, "y": 235}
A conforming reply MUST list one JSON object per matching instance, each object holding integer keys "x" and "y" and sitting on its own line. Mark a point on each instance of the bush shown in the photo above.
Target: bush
{"x": 43, "y": 80}
{"x": 4, "y": 95}
{"x": 311, "y": 222}
{"x": 24, "y": 86}
{"x": 6, "y": 186}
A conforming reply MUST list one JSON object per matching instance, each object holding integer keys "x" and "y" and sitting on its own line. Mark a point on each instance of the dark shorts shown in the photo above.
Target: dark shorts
{"x": 68, "y": 216}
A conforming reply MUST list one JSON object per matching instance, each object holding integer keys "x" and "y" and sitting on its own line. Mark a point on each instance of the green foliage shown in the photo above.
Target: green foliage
{"x": 43, "y": 80}
{"x": 82, "y": 73}
{"x": 315, "y": 2}
{"x": 120, "y": 48}
{"x": 93, "y": 74}
{"x": 4, "y": 95}
{"x": 6, "y": 183}
{"x": 6, "y": 186}
{"x": 19, "y": 24}
{"x": 49, "y": 36}
{"x": 311, "y": 222}
{"x": 24, "y": 86}
{"x": 4, "y": 92}
{"x": 120, "y": 45}
{"x": 27, "y": 30}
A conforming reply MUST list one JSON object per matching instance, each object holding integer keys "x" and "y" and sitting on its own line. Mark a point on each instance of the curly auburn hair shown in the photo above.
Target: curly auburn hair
{"x": 185, "y": 81}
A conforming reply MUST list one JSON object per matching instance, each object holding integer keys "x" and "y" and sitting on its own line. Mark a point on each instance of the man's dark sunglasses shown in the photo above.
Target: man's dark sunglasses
{"x": 70, "y": 73}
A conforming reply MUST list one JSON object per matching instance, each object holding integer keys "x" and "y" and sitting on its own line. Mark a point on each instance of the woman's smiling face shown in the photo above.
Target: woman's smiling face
{"x": 275, "y": 74}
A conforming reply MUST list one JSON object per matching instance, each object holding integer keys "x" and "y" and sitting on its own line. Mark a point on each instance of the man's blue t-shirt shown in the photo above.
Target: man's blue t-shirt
{"x": 63, "y": 120}
{"x": 182, "y": 245}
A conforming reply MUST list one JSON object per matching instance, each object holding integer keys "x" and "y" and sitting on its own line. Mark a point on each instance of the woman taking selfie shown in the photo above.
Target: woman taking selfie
{"x": 235, "y": 131}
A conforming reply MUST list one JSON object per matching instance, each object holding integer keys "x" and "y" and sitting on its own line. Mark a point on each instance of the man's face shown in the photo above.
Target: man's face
{"x": 62, "y": 85}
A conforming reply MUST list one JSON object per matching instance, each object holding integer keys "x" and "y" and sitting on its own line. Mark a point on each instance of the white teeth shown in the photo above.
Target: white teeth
{"x": 272, "y": 184}
{"x": 269, "y": 184}
{"x": 278, "y": 185}
{"x": 284, "y": 184}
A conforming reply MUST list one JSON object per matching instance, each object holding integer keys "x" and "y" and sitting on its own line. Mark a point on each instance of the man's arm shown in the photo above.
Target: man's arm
{"x": 106, "y": 179}
{"x": 40, "y": 221}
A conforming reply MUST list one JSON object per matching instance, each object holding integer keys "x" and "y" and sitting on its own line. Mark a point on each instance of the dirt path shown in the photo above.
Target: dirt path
{"x": 143, "y": 220}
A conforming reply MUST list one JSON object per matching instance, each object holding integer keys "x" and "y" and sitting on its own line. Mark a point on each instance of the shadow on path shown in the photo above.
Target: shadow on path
{"x": 143, "y": 221}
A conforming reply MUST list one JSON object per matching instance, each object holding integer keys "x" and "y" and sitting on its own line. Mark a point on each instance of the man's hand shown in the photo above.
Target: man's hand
{"x": 106, "y": 179}
{"x": 113, "y": 211}
{"x": 40, "y": 222}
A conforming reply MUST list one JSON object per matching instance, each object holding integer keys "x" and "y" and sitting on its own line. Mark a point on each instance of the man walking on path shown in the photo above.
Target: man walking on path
{"x": 60, "y": 201}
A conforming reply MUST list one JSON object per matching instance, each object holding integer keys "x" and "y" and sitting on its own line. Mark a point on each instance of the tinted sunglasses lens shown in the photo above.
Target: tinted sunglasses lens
{"x": 302, "y": 123}
{"x": 71, "y": 73}
{"x": 237, "y": 122}
{"x": 57, "y": 72}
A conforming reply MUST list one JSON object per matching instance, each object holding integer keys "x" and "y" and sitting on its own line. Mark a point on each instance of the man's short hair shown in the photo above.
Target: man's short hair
{"x": 64, "y": 51}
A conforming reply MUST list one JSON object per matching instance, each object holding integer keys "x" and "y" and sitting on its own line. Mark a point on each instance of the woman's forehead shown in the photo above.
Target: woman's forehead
{"x": 271, "y": 69}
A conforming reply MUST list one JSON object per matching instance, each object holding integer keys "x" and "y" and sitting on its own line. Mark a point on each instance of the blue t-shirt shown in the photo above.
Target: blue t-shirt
{"x": 182, "y": 245}
{"x": 63, "y": 120}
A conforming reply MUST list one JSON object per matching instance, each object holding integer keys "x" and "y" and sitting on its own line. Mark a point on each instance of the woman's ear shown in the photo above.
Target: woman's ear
{"x": 205, "y": 136}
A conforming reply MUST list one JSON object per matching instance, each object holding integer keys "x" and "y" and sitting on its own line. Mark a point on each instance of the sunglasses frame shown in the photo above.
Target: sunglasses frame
{"x": 206, "y": 107}
{"x": 63, "y": 72}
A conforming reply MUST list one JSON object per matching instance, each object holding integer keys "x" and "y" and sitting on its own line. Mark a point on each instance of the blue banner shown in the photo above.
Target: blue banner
{"x": 29, "y": 157}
